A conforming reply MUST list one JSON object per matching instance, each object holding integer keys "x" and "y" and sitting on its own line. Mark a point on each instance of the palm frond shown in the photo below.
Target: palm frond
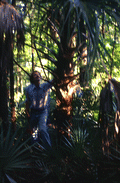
{"x": 14, "y": 154}
{"x": 11, "y": 21}
{"x": 54, "y": 39}
{"x": 40, "y": 60}
{"x": 9, "y": 18}
{"x": 51, "y": 51}
{"x": 10, "y": 179}
{"x": 51, "y": 71}
{"x": 76, "y": 143}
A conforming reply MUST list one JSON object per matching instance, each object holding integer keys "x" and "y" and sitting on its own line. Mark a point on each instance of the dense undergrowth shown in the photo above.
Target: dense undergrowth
{"x": 79, "y": 156}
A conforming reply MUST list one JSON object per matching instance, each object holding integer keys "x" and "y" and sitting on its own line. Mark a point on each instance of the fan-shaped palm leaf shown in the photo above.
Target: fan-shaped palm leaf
{"x": 14, "y": 154}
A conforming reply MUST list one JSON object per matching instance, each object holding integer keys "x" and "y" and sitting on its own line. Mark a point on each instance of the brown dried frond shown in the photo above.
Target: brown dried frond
{"x": 10, "y": 20}
{"x": 116, "y": 85}
{"x": 20, "y": 39}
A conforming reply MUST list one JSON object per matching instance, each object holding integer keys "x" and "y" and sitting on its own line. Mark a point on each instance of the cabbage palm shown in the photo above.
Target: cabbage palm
{"x": 11, "y": 25}
{"x": 74, "y": 30}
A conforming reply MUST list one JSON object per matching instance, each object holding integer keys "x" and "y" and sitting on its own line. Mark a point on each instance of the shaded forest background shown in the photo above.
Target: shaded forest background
{"x": 77, "y": 43}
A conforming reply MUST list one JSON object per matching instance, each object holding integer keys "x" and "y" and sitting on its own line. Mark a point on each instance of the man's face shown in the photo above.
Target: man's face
{"x": 37, "y": 78}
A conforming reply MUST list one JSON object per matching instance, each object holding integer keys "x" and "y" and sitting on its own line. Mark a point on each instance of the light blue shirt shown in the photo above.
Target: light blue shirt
{"x": 38, "y": 97}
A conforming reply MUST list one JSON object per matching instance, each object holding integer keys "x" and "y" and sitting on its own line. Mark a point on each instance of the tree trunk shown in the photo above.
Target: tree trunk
{"x": 3, "y": 99}
{"x": 64, "y": 90}
{"x": 12, "y": 104}
{"x": 83, "y": 53}
{"x": 3, "y": 85}
{"x": 65, "y": 81}
{"x": 8, "y": 24}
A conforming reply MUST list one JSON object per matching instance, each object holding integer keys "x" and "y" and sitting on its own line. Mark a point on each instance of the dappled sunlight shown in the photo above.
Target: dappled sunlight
{"x": 117, "y": 122}
{"x": 116, "y": 128}
{"x": 35, "y": 133}
{"x": 68, "y": 96}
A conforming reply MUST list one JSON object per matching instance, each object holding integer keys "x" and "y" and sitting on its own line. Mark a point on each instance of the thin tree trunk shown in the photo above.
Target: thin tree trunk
{"x": 3, "y": 100}
{"x": 12, "y": 103}
{"x": 83, "y": 54}
{"x": 3, "y": 81}
{"x": 33, "y": 65}
{"x": 112, "y": 60}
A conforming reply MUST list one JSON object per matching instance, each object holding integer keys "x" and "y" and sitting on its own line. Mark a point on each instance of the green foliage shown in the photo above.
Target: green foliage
{"x": 14, "y": 155}
{"x": 101, "y": 25}
{"x": 72, "y": 160}
{"x": 20, "y": 113}
{"x": 80, "y": 156}
{"x": 87, "y": 105}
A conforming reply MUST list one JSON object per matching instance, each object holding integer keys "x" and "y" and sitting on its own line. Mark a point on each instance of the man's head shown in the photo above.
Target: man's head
{"x": 35, "y": 78}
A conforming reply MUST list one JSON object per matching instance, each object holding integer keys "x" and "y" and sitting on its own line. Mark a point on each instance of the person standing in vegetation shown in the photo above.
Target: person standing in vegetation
{"x": 37, "y": 105}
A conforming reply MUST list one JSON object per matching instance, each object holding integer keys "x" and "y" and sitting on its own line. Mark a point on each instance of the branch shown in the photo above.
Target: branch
{"x": 54, "y": 26}
{"x": 51, "y": 71}
{"x": 105, "y": 67}
{"x": 21, "y": 68}
{"x": 40, "y": 60}
{"x": 46, "y": 55}
{"x": 55, "y": 40}
{"x": 49, "y": 50}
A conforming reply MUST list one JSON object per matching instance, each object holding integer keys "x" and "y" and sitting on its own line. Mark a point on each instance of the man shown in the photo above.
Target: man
{"x": 37, "y": 104}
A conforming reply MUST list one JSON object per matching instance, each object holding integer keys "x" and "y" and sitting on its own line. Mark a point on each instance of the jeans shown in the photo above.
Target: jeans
{"x": 38, "y": 123}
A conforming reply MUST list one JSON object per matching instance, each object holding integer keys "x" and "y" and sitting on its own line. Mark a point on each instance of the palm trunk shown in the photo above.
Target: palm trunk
{"x": 64, "y": 91}
{"x": 65, "y": 82}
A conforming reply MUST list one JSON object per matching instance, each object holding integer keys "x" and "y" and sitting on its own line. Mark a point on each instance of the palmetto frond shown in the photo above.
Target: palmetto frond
{"x": 14, "y": 154}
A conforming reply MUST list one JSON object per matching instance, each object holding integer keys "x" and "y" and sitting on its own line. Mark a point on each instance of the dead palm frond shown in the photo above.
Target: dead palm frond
{"x": 10, "y": 21}
{"x": 116, "y": 86}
